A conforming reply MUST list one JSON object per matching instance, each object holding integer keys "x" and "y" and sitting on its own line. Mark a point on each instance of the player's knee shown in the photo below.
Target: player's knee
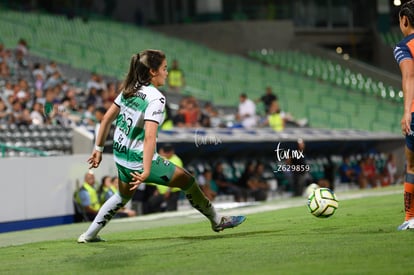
{"x": 182, "y": 179}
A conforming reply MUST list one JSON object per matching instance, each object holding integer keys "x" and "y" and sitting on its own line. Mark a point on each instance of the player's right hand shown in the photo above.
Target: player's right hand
{"x": 95, "y": 159}
{"x": 406, "y": 124}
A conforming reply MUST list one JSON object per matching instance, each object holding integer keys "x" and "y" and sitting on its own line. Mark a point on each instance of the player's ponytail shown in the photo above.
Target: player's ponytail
{"x": 139, "y": 70}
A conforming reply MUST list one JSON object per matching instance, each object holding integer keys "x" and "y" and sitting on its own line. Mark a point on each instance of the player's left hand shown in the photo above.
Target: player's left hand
{"x": 137, "y": 179}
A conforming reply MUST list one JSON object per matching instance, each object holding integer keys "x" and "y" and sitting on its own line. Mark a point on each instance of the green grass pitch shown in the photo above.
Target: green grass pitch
{"x": 361, "y": 238}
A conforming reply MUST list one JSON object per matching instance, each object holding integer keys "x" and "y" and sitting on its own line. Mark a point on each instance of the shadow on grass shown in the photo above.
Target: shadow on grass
{"x": 201, "y": 237}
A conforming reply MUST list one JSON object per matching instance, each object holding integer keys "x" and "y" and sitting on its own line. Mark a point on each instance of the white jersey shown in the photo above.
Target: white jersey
{"x": 147, "y": 104}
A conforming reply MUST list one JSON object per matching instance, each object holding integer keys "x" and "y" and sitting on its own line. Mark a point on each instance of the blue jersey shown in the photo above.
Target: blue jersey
{"x": 404, "y": 49}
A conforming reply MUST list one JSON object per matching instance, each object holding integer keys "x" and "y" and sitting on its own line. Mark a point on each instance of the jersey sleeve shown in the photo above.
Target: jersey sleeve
{"x": 117, "y": 100}
{"x": 402, "y": 52}
{"x": 155, "y": 110}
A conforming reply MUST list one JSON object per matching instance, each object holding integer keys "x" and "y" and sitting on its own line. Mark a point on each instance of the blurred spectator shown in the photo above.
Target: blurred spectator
{"x": 37, "y": 115}
{"x": 176, "y": 81}
{"x": 22, "y": 47}
{"x": 86, "y": 198}
{"x": 274, "y": 118}
{"x": 390, "y": 170}
{"x": 112, "y": 91}
{"x": 38, "y": 69}
{"x": 347, "y": 172}
{"x": 370, "y": 176}
{"x": 168, "y": 123}
{"x": 4, "y": 62}
{"x": 245, "y": 177}
{"x": 4, "y": 113}
{"x": 258, "y": 185}
{"x": 252, "y": 182}
{"x": 72, "y": 101}
{"x": 225, "y": 186}
{"x": 20, "y": 60}
{"x": 51, "y": 68}
{"x": 4, "y": 69}
{"x": 267, "y": 99}
{"x": 94, "y": 97}
{"x": 191, "y": 112}
{"x": 210, "y": 118}
{"x": 205, "y": 115}
{"x": 8, "y": 89}
{"x": 179, "y": 118}
{"x": 98, "y": 116}
{"x": 61, "y": 115}
{"x": 88, "y": 117}
{"x": 106, "y": 189}
{"x": 96, "y": 82}
{"x": 301, "y": 177}
{"x": 20, "y": 116}
{"x": 207, "y": 184}
{"x": 53, "y": 80}
{"x": 246, "y": 112}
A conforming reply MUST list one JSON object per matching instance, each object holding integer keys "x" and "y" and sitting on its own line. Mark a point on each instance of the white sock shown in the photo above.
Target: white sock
{"x": 197, "y": 199}
{"x": 105, "y": 214}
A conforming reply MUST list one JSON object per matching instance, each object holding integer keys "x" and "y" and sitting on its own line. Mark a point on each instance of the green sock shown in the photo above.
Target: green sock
{"x": 197, "y": 200}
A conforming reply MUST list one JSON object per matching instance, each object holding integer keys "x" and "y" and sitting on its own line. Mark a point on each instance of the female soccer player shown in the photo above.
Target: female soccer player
{"x": 403, "y": 53}
{"x": 138, "y": 111}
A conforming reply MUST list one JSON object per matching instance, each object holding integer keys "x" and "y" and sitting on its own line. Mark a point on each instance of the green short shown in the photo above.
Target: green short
{"x": 162, "y": 172}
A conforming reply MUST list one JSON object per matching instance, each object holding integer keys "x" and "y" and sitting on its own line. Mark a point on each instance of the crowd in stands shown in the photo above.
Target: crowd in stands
{"x": 33, "y": 93}
{"x": 367, "y": 172}
{"x": 39, "y": 94}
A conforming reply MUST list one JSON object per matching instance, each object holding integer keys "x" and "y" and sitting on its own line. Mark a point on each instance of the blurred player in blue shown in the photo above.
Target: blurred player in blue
{"x": 139, "y": 111}
{"x": 404, "y": 52}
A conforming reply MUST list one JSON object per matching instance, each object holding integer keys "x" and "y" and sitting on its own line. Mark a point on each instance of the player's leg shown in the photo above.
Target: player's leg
{"x": 409, "y": 180}
{"x": 109, "y": 208}
{"x": 184, "y": 180}
{"x": 408, "y": 189}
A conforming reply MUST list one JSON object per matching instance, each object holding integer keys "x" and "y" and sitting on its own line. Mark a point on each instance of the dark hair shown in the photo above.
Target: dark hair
{"x": 167, "y": 147}
{"x": 407, "y": 9}
{"x": 101, "y": 110}
{"x": 139, "y": 70}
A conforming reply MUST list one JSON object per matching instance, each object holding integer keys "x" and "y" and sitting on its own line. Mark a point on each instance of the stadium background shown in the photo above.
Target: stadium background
{"x": 351, "y": 98}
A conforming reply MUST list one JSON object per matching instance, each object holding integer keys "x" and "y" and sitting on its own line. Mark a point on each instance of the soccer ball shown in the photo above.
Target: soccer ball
{"x": 322, "y": 202}
{"x": 309, "y": 190}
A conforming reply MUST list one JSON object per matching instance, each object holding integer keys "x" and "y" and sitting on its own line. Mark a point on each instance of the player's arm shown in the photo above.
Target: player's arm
{"x": 150, "y": 141}
{"x": 407, "y": 73}
{"x": 96, "y": 157}
{"x": 153, "y": 117}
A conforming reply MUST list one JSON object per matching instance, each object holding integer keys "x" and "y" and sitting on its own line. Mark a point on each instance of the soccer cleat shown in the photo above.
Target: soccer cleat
{"x": 82, "y": 239}
{"x": 228, "y": 222}
{"x": 406, "y": 225}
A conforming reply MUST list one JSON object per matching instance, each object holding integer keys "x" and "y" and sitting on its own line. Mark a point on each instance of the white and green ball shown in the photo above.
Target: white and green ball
{"x": 322, "y": 202}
